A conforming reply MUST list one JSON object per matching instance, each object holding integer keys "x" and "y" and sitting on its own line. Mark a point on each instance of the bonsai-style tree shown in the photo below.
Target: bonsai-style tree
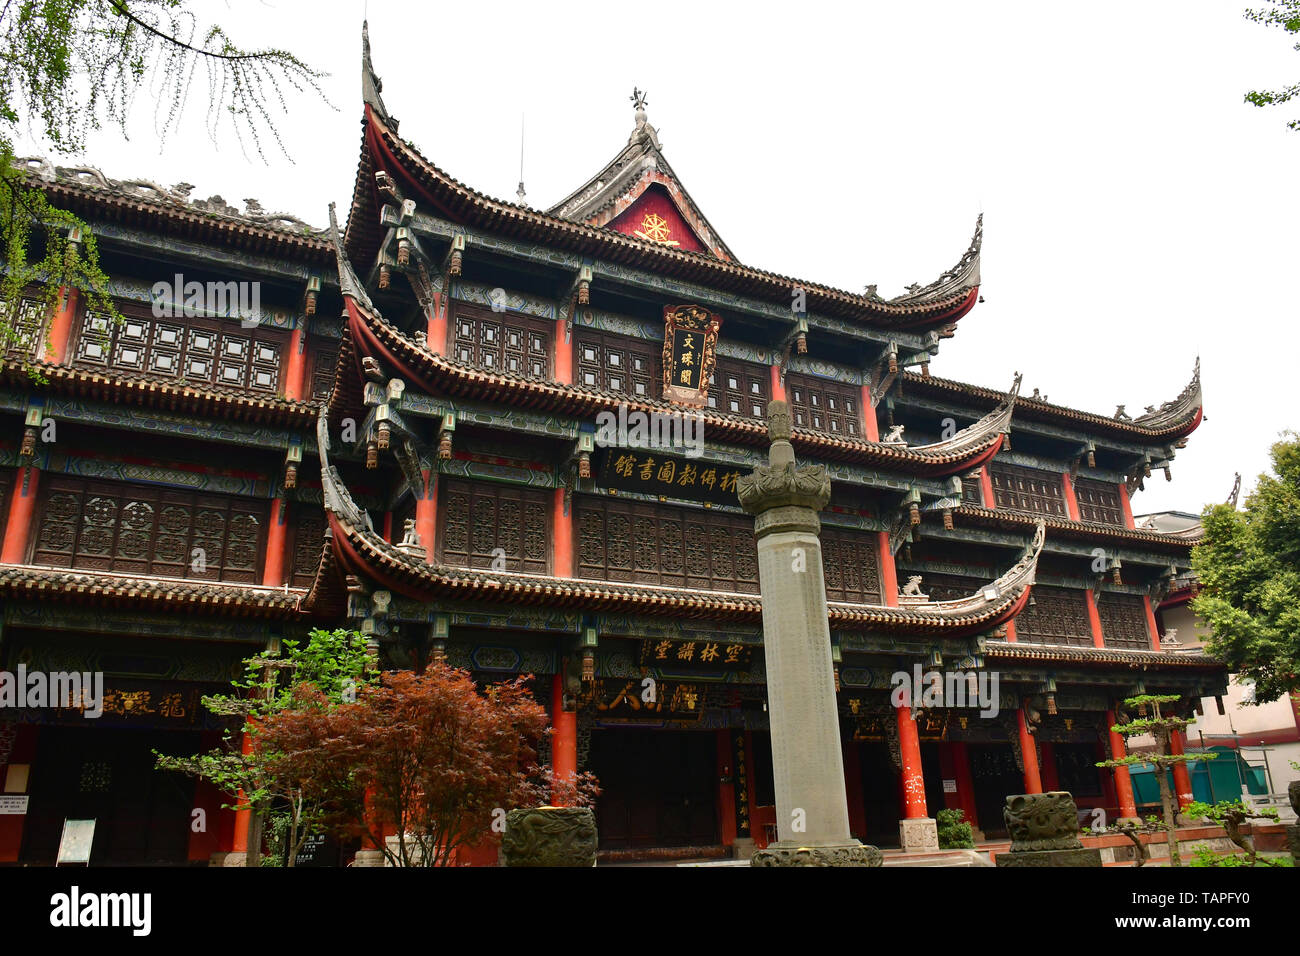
{"x": 1231, "y": 814}
{"x": 298, "y": 679}
{"x": 954, "y": 832}
{"x": 1162, "y": 728}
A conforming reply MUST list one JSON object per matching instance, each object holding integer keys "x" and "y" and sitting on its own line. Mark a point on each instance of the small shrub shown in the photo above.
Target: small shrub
{"x": 954, "y": 833}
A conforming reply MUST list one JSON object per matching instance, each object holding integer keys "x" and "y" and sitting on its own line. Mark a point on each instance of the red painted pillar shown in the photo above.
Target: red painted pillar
{"x": 888, "y": 572}
{"x": 1094, "y": 620}
{"x": 870, "y": 425}
{"x": 986, "y": 489}
{"x": 1071, "y": 500}
{"x": 243, "y": 818}
{"x": 1152, "y": 629}
{"x": 726, "y": 788}
{"x": 909, "y": 745}
{"x": 436, "y": 324}
{"x": 276, "y": 536}
{"x": 295, "y": 370}
{"x": 1048, "y": 771}
{"x": 965, "y": 781}
{"x": 11, "y": 824}
{"x": 426, "y": 511}
{"x": 388, "y": 526}
{"x": 778, "y": 386}
{"x": 563, "y": 354}
{"x": 1182, "y": 778}
{"x": 564, "y": 740}
{"x": 853, "y": 788}
{"x": 1028, "y": 755}
{"x": 1011, "y": 631}
{"x": 562, "y": 536}
{"x": 21, "y": 522}
{"x": 61, "y": 324}
{"x": 1126, "y": 505}
{"x": 1123, "y": 782}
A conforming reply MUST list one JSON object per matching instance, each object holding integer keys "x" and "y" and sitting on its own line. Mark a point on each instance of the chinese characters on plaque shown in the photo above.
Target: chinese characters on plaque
{"x": 690, "y": 337}
{"x": 651, "y": 473}
{"x": 718, "y": 655}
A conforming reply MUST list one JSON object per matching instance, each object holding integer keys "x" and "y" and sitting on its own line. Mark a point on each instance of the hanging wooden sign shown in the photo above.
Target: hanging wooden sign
{"x": 690, "y": 337}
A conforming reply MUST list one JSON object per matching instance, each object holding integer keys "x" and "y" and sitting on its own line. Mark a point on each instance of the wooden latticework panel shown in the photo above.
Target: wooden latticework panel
{"x": 114, "y": 526}
{"x": 1057, "y": 616}
{"x": 619, "y": 364}
{"x": 1099, "y": 502}
{"x": 323, "y": 361}
{"x": 1028, "y": 489}
{"x": 740, "y": 388}
{"x": 644, "y": 543}
{"x": 851, "y": 560}
{"x": 308, "y": 540}
{"x": 481, "y": 521}
{"x": 502, "y": 341}
{"x": 824, "y": 405}
{"x": 1124, "y": 621}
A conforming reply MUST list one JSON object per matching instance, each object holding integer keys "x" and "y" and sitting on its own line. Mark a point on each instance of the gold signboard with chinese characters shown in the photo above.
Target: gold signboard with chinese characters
{"x": 690, "y": 337}
{"x": 706, "y": 654}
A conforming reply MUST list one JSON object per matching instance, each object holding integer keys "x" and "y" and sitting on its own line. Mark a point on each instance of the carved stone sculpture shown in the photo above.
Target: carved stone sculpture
{"x": 549, "y": 836}
{"x": 1044, "y": 830}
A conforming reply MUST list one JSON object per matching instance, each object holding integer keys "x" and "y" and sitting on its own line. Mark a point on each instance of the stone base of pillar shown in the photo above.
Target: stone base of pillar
{"x": 1293, "y": 842}
{"x": 228, "y": 859}
{"x": 369, "y": 858}
{"x": 822, "y": 854}
{"x": 1081, "y": 857}
{"x": 742, "y": 848}
{"x": 918, "y": 835}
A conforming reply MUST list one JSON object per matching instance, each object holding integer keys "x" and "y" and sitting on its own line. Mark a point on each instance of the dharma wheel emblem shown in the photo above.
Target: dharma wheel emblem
{"x": 655, "y": 228}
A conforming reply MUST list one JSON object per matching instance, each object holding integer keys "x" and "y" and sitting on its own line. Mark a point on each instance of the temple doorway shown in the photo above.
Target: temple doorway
{"x": 658, "y": 788}
{"x": 881, "y": 787}
{"x": 995, "y": 776}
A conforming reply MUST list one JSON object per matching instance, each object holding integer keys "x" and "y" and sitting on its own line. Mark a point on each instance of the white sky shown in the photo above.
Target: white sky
{"x": 1137, "y": 212}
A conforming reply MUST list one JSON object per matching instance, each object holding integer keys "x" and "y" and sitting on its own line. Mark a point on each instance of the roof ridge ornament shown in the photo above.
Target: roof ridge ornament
{"x": 371, "y": 84}
{"x": 349, "y": 284}
{"x": 964, "y": 275}
{"x": 1175, "y": 411}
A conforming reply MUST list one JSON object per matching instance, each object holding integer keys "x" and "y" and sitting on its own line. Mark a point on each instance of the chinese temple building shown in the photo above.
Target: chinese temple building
{"x": 508, "y": 439}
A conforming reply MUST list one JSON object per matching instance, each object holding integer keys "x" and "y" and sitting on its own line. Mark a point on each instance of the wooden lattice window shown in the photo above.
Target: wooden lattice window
{"x": 645, "y": 543}
{"x": 824, "y": 405}
{"x": 740, "y": 388}
{"x": 851, "y": 561}
{"x": 1028, "y": 489}
{"x": 1124, "y": 621}
{"x": 135, "y": 529}
{"x": 29, "y": 328}
{"x": 186, "y": 350}
{"x": 481, "y": 522}
{"x": 323, "y": 361}
{"x": 308, "y": 541}
{"x": 1056, "y": 616}
{"x": 502, "y": 341}
{"x": 972, "y": 491}
{"x": 1099, "y": 502}
{"x": 619, "y": 364}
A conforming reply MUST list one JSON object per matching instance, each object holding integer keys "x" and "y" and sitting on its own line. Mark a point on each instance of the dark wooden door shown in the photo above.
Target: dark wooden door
{"x": 658, "y": 788}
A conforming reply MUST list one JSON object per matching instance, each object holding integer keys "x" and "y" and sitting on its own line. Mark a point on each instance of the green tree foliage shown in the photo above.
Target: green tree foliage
{"x": 68, "y": 67}
{"x": 1249, "y": 569}
{"x": 1284, "y": 14}
{"x": 1231, "y": 814}
{"x": 954, "y": 832}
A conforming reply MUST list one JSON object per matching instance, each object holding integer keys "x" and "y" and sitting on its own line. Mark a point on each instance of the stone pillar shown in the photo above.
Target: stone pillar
{"x": 917, "y": 831}
{"x": 812, "y": 812}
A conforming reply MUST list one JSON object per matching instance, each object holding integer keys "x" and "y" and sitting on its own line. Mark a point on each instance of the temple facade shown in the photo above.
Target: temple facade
{"x": 508, "y": 439}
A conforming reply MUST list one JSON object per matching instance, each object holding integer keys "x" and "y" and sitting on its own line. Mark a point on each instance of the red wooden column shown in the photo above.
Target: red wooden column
{"x": 870, "y": 426}
{"x": 1011, "y": 631}
{"x": 563, "y": 353}
{"x": 22, "y": 511}
{"x": 986, "y": 489}
{"x": 277, "y": 534}
{"x": 61, "y": 326}
{"x": 965, "y": 781}
{"x": 426, "y": 510}
{"x": 1123, "y": 782}
{"x": 1094, "y": 620}
{"x": 1071, "y": 500}
{"x": 778, "y": 386}
{"x": 436, "y": 324}
{"x": 909, "y": 745}
{"x": 1126, "y": 506}
{"x": 564, "y": 740}
{"x": 726, "y": 788}
{"x": 853, "y": 788}
{"x": 295, "y": 371}
{"x": 561, "y": 535}
{"x": 243, "y": 818}
{"x": 1152, "y": 629}
{"x": 1028, "y": 754}
{"x": 888, "y": 572}
{"x": 1182, "y": 778}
